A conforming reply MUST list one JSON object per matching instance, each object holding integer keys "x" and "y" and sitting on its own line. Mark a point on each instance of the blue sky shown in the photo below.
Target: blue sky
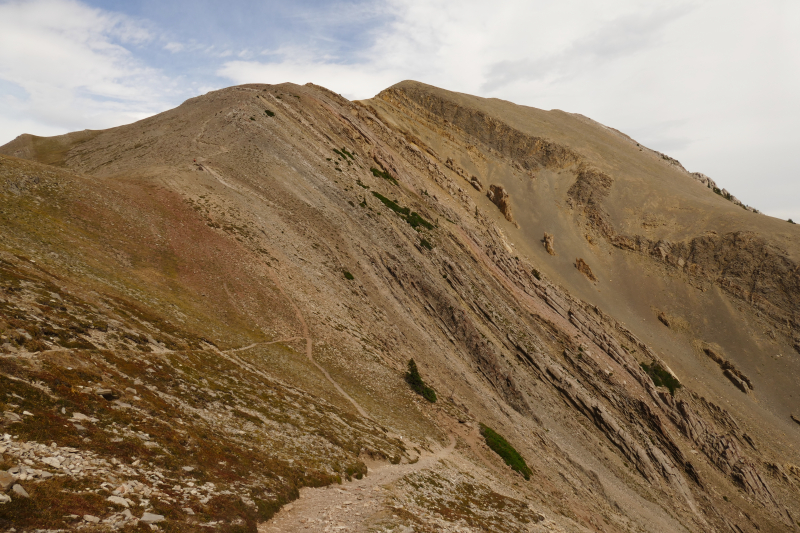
{"x": 713, "y": 83}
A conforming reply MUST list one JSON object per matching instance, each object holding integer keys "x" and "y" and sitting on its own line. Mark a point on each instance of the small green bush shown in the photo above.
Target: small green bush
{"x": 661, "y": 377}
{"x": 348, "y": 275}
{"x": 269, "y": 113}
{"x": 382, "y": 174}
{"x": 536, "y": 274}
{"x": 426, "y": 244}
{"x": 792, "y": 221}
{"x": 344, "y": 154}
{"x": 413, "y": 218}
{"x": 501, "y": 447}
{"x": 417, "y": 384}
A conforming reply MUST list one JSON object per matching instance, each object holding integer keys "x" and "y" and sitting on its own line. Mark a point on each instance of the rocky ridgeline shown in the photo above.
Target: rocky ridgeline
{"x": 708, "y": 182}
{"x": 150, "y": 421}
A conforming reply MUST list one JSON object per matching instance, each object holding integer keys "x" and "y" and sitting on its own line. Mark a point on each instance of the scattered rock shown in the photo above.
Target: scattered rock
{"x": 4, "y": 498}
{"x": 663, "y": 319}
{"x": 6, "y": 480}
{"x": 151, "y": 518}
{"x": 795, "y": 419}
{"x": 476, "y": 183}
{"x": 20, "y": 491}
{"x": 107, "y": 394}
{"x": 118, "y": 500}
{"x": 12, "y": 417}
{"x": 92, "y": 519}
{"x": 188, "y": 510}
{"x": 584, "y": 269}
{"x": 548, "y": 243}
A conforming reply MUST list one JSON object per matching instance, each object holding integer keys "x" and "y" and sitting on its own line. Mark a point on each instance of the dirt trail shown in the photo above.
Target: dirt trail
{"x": 298, "y": 313}
{"x": 243, "y": 348}
{"x": 347, "y": 507}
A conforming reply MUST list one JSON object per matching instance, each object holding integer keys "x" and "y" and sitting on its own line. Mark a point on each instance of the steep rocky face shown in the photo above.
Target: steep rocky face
{"x": 229, "y": 293}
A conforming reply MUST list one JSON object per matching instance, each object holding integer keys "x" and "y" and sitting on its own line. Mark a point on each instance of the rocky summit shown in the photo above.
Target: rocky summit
{"x": 273, "y": 309}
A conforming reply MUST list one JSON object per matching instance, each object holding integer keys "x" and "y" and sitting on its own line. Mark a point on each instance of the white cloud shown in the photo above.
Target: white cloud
{"x": 72, "y": 68}
{"x": 173, "y": 47}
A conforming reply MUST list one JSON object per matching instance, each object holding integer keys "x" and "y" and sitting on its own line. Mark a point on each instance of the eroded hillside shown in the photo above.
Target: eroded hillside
{"x": 208, "y": 310}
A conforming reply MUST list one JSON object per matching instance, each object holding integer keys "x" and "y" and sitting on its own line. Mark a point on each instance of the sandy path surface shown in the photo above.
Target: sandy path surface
{"x": 347, "y": 507}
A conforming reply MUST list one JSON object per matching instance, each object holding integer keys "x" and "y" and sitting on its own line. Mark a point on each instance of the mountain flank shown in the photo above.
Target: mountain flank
{"x": 208, "y": 319}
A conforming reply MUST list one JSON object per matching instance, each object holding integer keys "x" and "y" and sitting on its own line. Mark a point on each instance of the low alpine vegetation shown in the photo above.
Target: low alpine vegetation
{"x": 501, "y": 447}
{"x": 413, "y": 218}
{"x": 661, "y": 377}
{"x": 344, "y": 154}
{"x": 269, "y": 113}
{"x": 383, "y": 174}
{"x": 417, "y": 384}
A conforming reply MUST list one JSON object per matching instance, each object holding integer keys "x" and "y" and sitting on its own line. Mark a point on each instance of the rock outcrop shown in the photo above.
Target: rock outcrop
{"x": 584, "y": 269}
{"x": 499, "y": 197}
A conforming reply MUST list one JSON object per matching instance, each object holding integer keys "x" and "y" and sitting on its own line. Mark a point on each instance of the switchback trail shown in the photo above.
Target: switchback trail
{"x": 298, "y": 313}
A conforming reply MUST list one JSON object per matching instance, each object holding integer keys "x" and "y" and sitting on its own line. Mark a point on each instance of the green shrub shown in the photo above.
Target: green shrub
{"x": 383, "y": 174}
{"x": 661, "y": 377}
{"x": 792, "y": 221}
{"x": 269, "y": 113}
{"x": 417, "y": 384}
{"x": 501, "y": 447}
{"x": 413, "y": 218}
{"x": 347, "y": 275}
{"x": 536, "y": 274}
{"x": 344, "y": 154}
{"x": 426, "y": 244}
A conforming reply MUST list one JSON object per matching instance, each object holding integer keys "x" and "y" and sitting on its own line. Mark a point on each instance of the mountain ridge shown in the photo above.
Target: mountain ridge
{"x": 214, "y": 241}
